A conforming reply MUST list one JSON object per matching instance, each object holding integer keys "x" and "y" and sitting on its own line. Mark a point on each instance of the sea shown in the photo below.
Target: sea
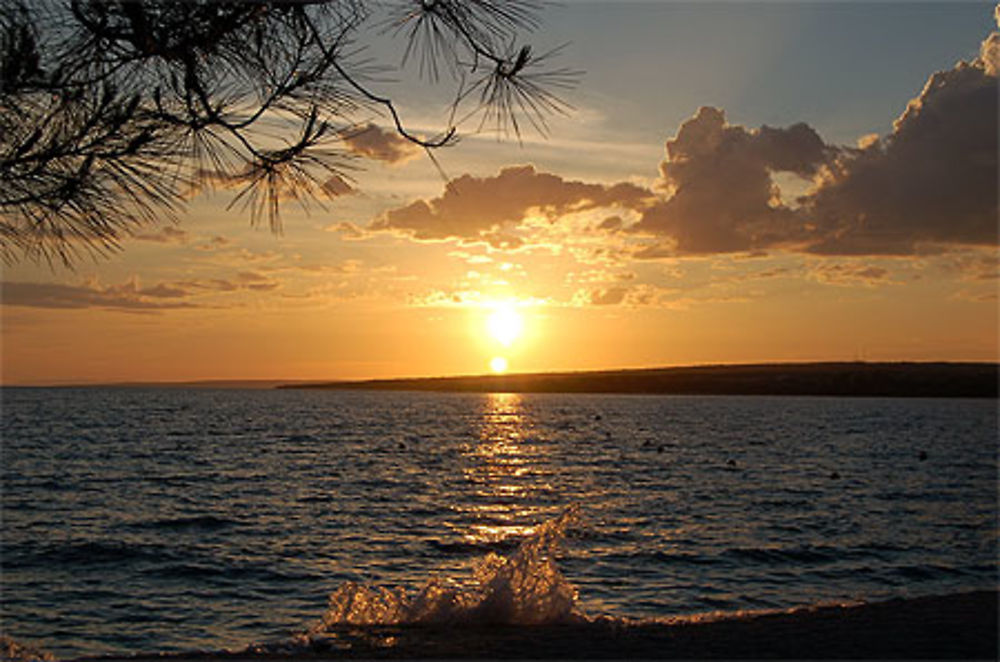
{"x": 138, "y": 520}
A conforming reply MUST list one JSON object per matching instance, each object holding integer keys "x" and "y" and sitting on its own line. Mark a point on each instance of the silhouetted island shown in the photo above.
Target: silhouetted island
{"x": 932, "y": 380}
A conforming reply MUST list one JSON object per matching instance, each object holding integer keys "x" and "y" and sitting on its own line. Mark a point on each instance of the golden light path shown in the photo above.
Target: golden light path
{"x": 507, "y": 467}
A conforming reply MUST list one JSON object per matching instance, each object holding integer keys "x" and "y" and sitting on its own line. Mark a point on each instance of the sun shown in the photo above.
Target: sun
{"x": 505, "y": 324}
{"x": 498, "y": 365}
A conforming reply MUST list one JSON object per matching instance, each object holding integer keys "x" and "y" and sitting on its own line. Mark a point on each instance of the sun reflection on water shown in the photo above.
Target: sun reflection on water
{"x": 507, "y": 465}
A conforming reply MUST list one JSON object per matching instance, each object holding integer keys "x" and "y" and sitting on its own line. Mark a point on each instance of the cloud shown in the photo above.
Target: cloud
{"x": 253, "y": 280}
{"x": 348, "y": 231}
{"x": 933, "y": 180}
{"x": 611, "y": 224}
{"x": 215, "y": 243}
{"x": 129, "y": 297}
{"x": 722, "y": 197}
{"x": 337, "y": 186}
{"x": 607, "y": 297}
{"x": 850, "y": 274}
{"x": 479, "y": 208}
{"x": 166, "y": 235}
{"x": 929, "y": 185}
{"x": 373, "y": 142}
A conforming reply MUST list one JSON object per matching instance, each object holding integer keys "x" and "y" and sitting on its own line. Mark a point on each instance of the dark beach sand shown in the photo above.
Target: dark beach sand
{"x": 960, "y": 626}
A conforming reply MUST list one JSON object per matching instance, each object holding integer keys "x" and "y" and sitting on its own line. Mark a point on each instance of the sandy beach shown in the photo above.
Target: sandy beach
{"x": 958, "y": 626}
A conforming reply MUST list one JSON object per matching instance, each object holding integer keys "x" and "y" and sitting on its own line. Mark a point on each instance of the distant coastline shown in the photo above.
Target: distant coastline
{"x": 903, "y": 379}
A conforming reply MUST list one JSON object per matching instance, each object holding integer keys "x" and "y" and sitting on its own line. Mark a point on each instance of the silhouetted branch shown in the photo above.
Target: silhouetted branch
{"x": 113, "y": 111}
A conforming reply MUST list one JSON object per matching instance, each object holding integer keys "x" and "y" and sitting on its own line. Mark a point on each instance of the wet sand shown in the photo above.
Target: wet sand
{"x": 960, "y": 626}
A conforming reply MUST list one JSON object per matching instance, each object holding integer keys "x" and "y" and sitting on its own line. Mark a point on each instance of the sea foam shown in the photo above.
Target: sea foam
{"x": 524, "y": 588}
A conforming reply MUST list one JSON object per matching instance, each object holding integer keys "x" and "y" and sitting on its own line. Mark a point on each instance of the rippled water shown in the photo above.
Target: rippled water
{"x": 141, "y": 520}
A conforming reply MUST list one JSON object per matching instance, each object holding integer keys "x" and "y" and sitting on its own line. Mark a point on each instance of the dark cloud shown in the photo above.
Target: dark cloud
{"x": 372, "y": 142}
{"x": 933, "y": 180}
{"x": 473, "y": 208}
{"x": 128, "y": 297}
{"x": 929, "y": 185}
{"x": 722, "y": 197}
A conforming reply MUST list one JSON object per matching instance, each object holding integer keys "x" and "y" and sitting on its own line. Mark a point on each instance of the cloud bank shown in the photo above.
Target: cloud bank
{"x": 933, "y": 180}
{"x": 128, "y": 297}
{"x": 479, "y": 208}
{"x": 928, "y": 186}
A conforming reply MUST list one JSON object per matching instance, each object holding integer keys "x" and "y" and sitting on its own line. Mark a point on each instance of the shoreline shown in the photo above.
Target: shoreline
{"x": 851, "y": 379}
{"x": 952, "y": 626}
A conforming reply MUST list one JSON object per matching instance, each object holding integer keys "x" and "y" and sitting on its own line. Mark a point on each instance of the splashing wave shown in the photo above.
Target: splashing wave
{"x": 525, "y": 588}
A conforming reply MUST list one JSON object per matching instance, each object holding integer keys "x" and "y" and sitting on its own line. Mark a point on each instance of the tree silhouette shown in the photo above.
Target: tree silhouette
{"x": 113, "y": 112}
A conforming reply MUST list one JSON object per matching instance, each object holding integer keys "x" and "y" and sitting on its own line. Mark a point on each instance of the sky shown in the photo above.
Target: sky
{"x": 737, "y": 182}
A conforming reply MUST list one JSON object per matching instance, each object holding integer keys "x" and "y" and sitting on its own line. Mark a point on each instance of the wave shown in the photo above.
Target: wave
{"x": 14, "y": 651}
{"x": 197, "y": 522}
{"x": 525, "y": 588}
{"x": 83, "y": 553}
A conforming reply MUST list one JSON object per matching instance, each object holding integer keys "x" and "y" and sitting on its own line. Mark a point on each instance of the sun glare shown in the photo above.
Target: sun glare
{"x": 498, "y": 364}
{"x": 505, "y": 324}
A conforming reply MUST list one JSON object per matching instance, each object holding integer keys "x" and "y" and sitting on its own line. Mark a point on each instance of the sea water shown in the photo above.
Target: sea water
{"x": 139, "y": 520}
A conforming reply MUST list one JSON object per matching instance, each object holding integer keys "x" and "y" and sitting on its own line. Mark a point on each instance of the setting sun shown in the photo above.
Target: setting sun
{"x": 566, "y": 322}
{"x": 505, "y": 324}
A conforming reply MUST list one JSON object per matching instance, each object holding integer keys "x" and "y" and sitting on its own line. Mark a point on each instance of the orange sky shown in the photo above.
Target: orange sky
{"x": 646, "y": 230}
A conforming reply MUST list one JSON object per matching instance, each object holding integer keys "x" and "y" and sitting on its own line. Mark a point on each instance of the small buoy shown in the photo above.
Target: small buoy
{"x": 730, "y": 462}
{"x": 659, "y": 449}
{"x": 834, "y": 475}
{"x": 922, "y": 456}
{"x": 401, "y": 446}
{"x": 597, "y": 417}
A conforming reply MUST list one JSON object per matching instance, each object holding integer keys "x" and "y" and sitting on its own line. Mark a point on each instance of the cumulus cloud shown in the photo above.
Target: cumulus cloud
{"x": 933, "y": 180}
{"x": 478, "y": 208}
{"x": 930, "y": 184}
{"x": 722, "y": 197}
{"x": 928, "y": 187}
{"x": 373, "y": 142}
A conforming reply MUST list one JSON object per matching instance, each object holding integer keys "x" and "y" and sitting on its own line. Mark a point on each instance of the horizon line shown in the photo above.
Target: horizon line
{"x": 272, "y": 382}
